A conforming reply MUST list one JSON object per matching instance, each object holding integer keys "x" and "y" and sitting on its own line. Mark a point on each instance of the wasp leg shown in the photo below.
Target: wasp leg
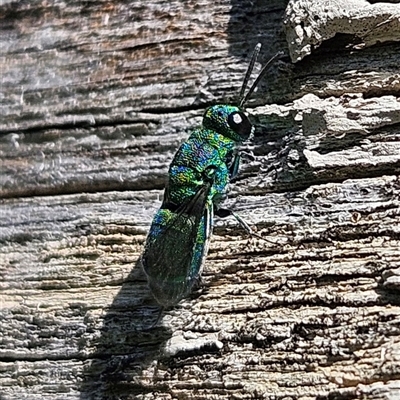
{"x": 234, "y": 160}
{"x": 234, "y": 165}
{"x": 225, "y": 212}
{"x": 157, "y": 321}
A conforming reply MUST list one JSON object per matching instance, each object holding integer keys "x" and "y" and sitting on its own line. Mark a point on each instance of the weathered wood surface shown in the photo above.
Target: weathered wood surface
{"x": 96, "y": 97}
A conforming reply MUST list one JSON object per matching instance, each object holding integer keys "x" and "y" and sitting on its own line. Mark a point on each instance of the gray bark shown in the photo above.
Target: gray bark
{"x": 96, "y": 98}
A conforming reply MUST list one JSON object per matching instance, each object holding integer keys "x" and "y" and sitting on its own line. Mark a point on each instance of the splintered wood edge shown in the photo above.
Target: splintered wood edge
{"x": 309, "y": 23}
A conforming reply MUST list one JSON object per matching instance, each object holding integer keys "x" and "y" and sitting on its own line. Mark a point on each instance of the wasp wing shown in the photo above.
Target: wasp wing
{"x": 176, "y": 247}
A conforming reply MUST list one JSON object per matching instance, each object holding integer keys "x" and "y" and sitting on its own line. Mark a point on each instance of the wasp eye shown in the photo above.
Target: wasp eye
{"x": 240, "y": 124}
{"x": 237, "y": 119}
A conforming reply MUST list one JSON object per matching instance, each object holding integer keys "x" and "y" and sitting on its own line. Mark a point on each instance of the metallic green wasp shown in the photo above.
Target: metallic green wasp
{"x": 177, "y": 244}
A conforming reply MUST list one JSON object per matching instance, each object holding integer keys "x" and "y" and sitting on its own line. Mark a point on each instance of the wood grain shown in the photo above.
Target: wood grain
{"x": 95, "y": 99}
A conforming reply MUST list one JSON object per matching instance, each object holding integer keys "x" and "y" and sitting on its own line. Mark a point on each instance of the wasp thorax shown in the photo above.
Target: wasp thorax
{"x": 229, "y": 121}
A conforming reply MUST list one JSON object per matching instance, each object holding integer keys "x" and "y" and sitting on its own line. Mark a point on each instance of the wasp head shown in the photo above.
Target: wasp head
{"x": 229, "y": 121}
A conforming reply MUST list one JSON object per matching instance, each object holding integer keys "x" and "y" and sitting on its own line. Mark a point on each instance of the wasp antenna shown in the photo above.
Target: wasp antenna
{"x": 249, "y": 71}
{"x": 259, "y": 77}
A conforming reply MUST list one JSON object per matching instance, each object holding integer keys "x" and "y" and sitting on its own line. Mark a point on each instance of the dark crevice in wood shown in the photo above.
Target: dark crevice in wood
{"x": 72, "y": 126}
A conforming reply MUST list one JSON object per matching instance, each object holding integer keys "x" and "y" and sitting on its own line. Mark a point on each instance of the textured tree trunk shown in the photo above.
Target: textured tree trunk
{"x": 95, "y": 99}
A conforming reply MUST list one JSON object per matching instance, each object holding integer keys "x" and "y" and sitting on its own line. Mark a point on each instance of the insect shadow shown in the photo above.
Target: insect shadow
{"x": 129, "y": 343}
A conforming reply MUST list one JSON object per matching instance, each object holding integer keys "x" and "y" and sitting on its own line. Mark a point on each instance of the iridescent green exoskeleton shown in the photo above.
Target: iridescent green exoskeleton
{"x": 177, "y": 243}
